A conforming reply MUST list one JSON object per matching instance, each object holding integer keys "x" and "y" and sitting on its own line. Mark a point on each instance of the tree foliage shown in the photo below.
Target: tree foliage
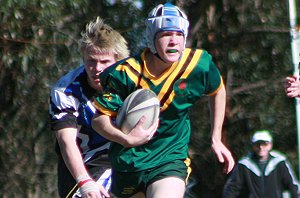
{"x": 249, "y": 41}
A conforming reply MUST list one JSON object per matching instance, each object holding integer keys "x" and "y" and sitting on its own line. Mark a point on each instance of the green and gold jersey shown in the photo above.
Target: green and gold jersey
{"x": 178, "y": 88}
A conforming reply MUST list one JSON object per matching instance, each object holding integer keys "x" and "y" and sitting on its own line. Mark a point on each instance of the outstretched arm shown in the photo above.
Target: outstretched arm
{"x": 217, "y": 105}
{"x": 66, "y": 138}
{"x": 292, "y": 87}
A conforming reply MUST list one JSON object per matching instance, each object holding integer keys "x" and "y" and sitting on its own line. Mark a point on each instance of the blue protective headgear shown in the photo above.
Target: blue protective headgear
{"x": 165, "y": 17}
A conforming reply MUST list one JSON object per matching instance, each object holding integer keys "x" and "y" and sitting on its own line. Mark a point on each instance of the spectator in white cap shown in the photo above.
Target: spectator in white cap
{"x": 263, "y": 173}
{"x": 262, "y": 145}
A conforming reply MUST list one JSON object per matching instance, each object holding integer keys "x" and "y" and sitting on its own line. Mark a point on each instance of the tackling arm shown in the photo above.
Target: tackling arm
{"x": 66, "y": 138}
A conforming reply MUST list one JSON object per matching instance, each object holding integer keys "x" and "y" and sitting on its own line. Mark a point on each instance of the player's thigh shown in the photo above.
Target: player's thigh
{"x": 137, "y": 195}
{"x": 168, "y": 187}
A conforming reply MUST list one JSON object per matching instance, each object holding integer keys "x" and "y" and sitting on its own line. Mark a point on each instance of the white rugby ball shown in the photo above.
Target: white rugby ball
{"x": 138, "y": 103}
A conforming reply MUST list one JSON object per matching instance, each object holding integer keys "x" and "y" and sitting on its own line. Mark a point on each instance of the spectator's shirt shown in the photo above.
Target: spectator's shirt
{"x": 178, "y": 88}
{"x": 71, "y": 107}
{"x": 249, "y": 180}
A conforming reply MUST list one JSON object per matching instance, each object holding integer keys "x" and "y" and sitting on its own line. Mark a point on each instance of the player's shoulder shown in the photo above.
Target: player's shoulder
{"x": 201, "y": 58}
{"x": 116, "y": 66}
{"x": 116, "y": 70}
{"x": 199, "y": 55}
{"x": 203, "y": 52}
{"x": 68, "y": 78}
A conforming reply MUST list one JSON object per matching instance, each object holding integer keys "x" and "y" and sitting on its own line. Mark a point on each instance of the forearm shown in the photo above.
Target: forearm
{"x": 102, "y": 124}
{"x": 217, "y": 105}
{"x": 73, "y": 160}
{"x": 136, "y": 137}
{"x": 70, "y": 152}
{"x": 217, "y": 112}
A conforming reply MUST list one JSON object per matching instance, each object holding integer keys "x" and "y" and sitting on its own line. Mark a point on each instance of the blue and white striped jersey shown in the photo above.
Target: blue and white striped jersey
{"x": 71, "y": 106}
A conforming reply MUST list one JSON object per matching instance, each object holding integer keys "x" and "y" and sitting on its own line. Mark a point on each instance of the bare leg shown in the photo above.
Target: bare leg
{"x": 168, "y": 187}
{"x": 137, "y": 195}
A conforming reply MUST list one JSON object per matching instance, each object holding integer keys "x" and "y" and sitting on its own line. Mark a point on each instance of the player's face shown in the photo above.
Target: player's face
{"x": 262, "y": 149}
{"x": 169, "y": 45}
{"x": 95, "y": 62}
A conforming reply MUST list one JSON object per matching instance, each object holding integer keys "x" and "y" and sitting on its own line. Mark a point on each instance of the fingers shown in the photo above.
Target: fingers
{"x": 292, "y": 86}
{"x": 229, "y": 165}
{"x": 103, "y": 192}
{"x": 220, "y": 157}
{"x": 141, "y": 121}
{"x": 292, "y": 90}
{"x": 138, "y": 135}
{"x": 228, "y": 162}
{"x": 291, "y": 79}
{"x": 224, "y": 156}
{"x": 153, "y": 129}
{"x": 288, "y": 82}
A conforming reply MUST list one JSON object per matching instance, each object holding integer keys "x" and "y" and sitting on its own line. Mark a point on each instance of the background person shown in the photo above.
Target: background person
{"x": 262, "y": 173}
{"x": 82, "y": 152}
{"x": 179, "y": 76}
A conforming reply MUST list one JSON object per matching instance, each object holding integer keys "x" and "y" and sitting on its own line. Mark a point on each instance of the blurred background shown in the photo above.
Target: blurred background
{"x": 250, "y": 42}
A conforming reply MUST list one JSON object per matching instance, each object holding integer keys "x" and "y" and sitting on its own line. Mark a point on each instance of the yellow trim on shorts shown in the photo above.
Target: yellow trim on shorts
{"x": 187, "y": 162}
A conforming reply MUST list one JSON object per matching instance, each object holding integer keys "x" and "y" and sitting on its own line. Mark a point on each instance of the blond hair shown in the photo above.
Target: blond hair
{"x": 103, "y": 38}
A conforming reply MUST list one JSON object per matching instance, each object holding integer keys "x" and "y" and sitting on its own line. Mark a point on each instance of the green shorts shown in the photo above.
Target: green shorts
{"x": 126, "y": 184}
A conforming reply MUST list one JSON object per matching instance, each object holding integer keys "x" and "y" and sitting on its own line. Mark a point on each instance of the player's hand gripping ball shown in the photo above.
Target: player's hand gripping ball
{"x": 142, "y": 102}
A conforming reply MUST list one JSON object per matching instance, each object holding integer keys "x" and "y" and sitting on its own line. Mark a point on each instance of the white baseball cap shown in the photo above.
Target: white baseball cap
{"x": 262, "y": 135}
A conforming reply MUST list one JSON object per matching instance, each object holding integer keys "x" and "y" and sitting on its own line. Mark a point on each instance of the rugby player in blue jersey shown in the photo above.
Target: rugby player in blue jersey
{"x": 82, "y": 152}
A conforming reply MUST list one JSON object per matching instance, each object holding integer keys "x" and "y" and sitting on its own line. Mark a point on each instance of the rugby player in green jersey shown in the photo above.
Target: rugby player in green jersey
{"x": 159, "y": 167}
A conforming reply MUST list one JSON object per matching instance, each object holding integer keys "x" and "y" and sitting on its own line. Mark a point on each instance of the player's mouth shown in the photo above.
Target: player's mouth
{"x": 96, "y": 79}
{"x": 172, "y": 50}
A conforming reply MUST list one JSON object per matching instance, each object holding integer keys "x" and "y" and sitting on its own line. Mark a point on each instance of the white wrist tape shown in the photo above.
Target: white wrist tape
{"x": 89, "y": 186}
{"x": 82, "y": 177}
{"x": 86, "y": 184}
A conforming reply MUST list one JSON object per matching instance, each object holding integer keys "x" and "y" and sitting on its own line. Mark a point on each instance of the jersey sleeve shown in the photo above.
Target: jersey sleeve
{"x": 63, "y": 109}
{"x": 115, "y": 86}
{"x": 289, "y": 179}
{"x": 212, "y": 76}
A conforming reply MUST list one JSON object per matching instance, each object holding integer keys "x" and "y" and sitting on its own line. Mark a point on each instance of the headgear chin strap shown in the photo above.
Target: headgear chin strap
{"x": 165, "y": 17}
